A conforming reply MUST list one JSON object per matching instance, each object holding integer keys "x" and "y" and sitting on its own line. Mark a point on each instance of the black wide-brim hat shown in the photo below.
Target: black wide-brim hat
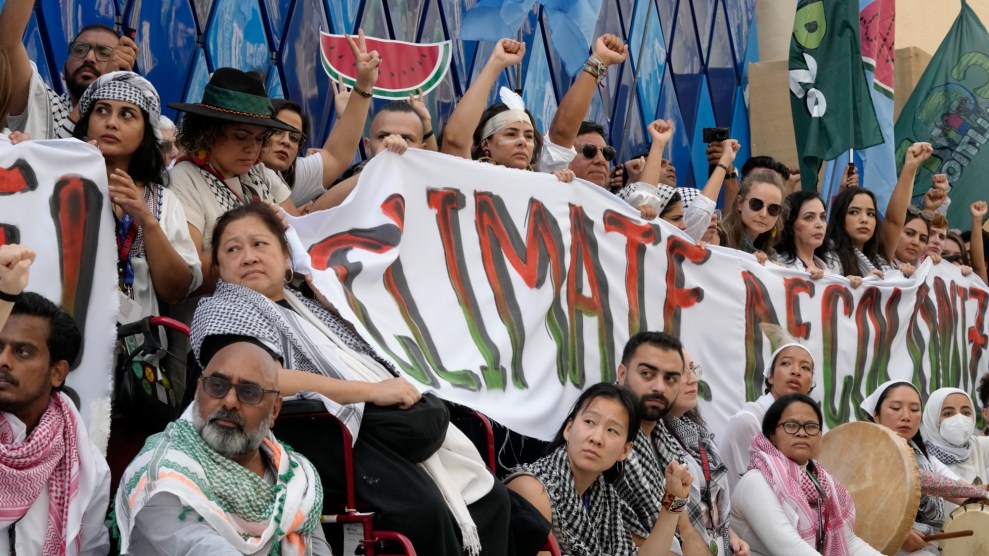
{"x": 235, "y": 96}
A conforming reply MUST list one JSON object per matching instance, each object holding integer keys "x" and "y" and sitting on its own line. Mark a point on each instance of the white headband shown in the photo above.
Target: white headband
{"x": 768, "y": 372}
{"x": 869, "y": 404}
{"x": 515, "y": 113}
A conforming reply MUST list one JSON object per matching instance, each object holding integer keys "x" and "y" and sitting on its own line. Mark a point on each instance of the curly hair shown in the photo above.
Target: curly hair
{"x": 199, "y": 133}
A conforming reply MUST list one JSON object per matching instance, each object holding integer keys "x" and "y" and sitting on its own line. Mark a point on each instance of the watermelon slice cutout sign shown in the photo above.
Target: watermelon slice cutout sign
{"x": 405, "y": 67}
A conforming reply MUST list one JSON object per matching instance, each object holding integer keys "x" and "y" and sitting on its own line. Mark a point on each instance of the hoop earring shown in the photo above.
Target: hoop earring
{"x": 289, "y": 275}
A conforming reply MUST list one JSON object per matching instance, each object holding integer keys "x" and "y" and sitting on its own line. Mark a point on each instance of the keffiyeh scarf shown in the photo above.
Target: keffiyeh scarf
{"x": 644, "y": 479}
{"x": 237, "y": 503}
{"x": 125, "y": 86}
{"x": 594, "y": 530}
{"x": 295, "y": 334}
{"x": 47, "y": 458}
{"x": 796, "y": 491}
{"x": 704, "y": 517}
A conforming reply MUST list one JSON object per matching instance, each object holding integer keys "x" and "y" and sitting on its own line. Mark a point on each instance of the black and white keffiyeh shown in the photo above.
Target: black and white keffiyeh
{"x": 644, "y": 480}
{"x": 597, "y": 529}
{"x": 293, "y": 333}
{"x": 252, "y": 182}
{"x": 125, "y": 86}
{"x": 705, "y": 518}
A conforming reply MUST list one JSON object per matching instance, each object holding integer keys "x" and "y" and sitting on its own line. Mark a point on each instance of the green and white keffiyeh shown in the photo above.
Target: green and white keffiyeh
{"x": 239, "y": 505}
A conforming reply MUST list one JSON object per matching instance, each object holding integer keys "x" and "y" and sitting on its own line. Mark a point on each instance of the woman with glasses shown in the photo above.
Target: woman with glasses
{"x": 896, "y": 404}
{"x": 802, "y": 245}
{"x": 119, "y": 113}
{"x": 310, "y": 176}
{"x": 404, "y": 443}
{"x": 863, "y": 243}
{"x": 709, "y": 505}
{"x": 787, "y": 503}
{"x": 753, "y": 224}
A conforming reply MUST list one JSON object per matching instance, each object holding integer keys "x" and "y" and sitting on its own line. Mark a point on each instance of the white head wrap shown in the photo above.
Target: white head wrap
{"x": 780, "y": 339}
{"x": 515, "y": 113}
{"x": 125, "y": 86}
{"x": 869, "y": 404}
{"x": 930, "y": 426}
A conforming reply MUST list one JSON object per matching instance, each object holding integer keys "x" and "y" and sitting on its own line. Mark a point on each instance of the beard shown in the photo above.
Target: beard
{"x": 651, "y": 413}
{"x": 78, "y": 86}
{"x": 229, "y": 442}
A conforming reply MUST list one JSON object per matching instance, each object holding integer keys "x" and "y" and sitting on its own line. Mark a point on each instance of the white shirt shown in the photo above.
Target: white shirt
{"x": 308, "y": 179}
{"x": 553, "y": 157}
{"x": 46, "y": 115}
{"x": 697, "y": 216}
{"x": 736, "y": 438}
{"x": 86, "y": 513}
{"x": 758, "y": 517}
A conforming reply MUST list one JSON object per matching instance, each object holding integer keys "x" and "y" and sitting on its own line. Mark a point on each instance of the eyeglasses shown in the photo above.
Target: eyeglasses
{"x": 590, "y": 151}
{"x": 293, "y": 137}
{"x": 717, "y": 214}
{"x": 952, "y": 258}
{"x": 927, "y": 216}
{"x": 697, "y": 369}
{"x": 793, "y": 427}
{"x": 103, "y": 53}
{"x": 250, "y": 394}
{"x": 757, "y": 204}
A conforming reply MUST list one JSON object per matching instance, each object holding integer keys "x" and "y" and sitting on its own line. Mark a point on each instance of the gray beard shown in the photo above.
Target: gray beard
{"x": 228, "y": 442}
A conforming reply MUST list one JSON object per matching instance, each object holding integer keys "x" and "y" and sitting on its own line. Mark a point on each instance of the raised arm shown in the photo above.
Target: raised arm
{"x": 338, "y": 151}
{"x": 608, "y": 50}
{"x": 15, "y": 264}
{"x": 459, "y": 130}
{"x": 977, "y": 250}
{"x": 660, "y": 133}
{"x": 712, "y": 189}
{"x": 13, "y": 21}
{"x": 896, "y": 210}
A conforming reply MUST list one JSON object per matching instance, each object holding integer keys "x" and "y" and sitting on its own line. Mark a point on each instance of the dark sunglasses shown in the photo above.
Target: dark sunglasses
{"x": 952, "y": 258}
{"x": 925, "y": 215}
{"x": 103, "y": 53}
{"x": 757, "y": 204}
{"x": 590, "y": 151}
{"x": 250, "y": 394}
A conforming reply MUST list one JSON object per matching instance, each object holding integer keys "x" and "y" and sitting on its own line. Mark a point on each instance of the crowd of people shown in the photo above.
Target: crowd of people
{"x": 634, "y": 467}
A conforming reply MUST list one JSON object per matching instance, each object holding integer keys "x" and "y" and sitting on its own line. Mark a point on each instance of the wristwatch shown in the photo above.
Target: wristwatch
{"x": 673, "y": 504}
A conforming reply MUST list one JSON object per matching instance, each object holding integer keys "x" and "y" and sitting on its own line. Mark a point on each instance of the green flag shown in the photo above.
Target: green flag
{"x": 829, "y": 95}
{"x": 949, "y": 108}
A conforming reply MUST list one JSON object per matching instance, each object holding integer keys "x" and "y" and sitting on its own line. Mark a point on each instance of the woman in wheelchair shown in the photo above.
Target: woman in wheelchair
{"x": 572, "y": 485}
{"x": 421, "y": 477}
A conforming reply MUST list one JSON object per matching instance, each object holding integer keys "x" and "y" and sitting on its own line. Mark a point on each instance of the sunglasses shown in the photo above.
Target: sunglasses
{"x": 755, "y": 205}
{"x": 590, "y": 151}
{"x": 925, "y": 215}
{"x": 952, "y": 258}
{"x": 103, "y": 53}
{"x": 250, "y": 394}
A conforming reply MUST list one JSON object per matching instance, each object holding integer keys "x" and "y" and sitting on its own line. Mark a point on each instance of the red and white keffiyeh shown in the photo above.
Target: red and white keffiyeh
{"x": 795, "y": 489}
{"x": 47, "y": 458}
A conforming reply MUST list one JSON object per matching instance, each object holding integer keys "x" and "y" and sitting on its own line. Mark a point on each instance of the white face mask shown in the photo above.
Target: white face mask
{"x": 958, "y": 429}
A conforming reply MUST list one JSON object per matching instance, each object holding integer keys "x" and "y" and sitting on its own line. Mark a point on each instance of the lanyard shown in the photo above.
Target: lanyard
{"x": 126, "y": 234}
{"x": 820, "y": 510}
{"x": 706, "y": 494}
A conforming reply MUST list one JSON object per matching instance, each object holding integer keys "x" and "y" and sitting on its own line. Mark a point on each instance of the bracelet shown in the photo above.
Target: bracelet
{"x": 597, "y": 68}
{"x": 427, "y": 135}
{"x": 9, "y": 297}
{"x": 730, "y": 173}
{"x": 673, "y": 504}
{"x": 360, "y": 91}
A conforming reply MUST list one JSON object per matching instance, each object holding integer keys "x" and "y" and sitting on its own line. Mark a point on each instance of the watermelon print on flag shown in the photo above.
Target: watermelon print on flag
{"x": 405, "y": 67}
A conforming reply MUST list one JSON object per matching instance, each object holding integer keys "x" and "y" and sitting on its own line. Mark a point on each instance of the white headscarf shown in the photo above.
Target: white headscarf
{"x": 869, "y": 404}
{"x": 930, "y": 427}
{"x": 768, "y": 372}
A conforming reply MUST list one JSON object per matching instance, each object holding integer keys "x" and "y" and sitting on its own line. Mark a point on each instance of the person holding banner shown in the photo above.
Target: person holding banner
{"x": 753, "y": 223}
{"x": 862, "y": 249}
{"x": 56, "y": 483}
{"x": 120, "y": 113}
{"x": 710, "y": 502}
{"x": 573, "y": 485}
{"x": 912, "y": 243}
{"x": 802, "y": 244}
{"x": 896, "y": 404}
{"x": 504, "y": 133}
{"x": 949, "y": 427}
{"x": 787, "y": 503}
{"x": 418, "y": 474}
{"x": 652, "y": 198}
{"x": 790, "y": 371}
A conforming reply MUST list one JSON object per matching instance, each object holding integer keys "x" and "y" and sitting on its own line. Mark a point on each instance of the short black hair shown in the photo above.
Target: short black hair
{"x": 767, "y": 162}
{"x": 92, "y": 27}
{"x": 662, "y": 340}
{"x": 64, "y": 338}
{"x": 396, "y": 106}
{"x": 983, "y": 391}
{"x": 592, "y": 127}
{"x": 775, "y": 411}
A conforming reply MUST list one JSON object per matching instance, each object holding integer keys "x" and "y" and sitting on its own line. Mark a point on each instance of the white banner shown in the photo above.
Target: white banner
{"x": 509, "y": 292}
{"x": 53, "y": 198}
